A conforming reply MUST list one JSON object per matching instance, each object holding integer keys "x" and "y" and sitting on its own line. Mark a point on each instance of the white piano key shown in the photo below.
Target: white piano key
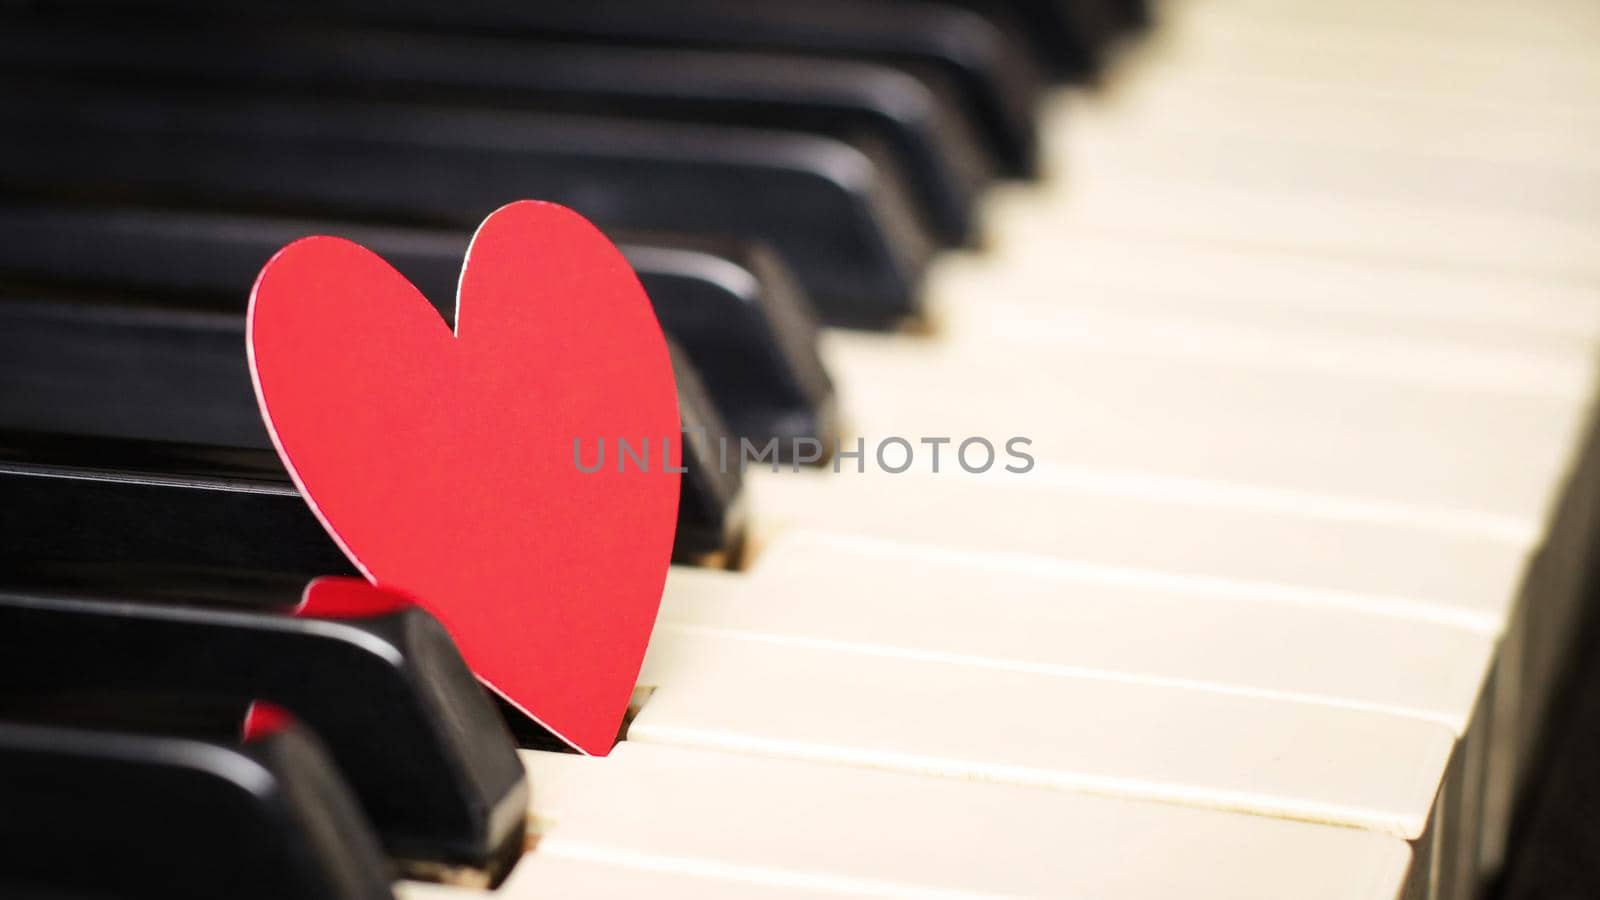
{"x": 1270, "y": 165}
{"x": 1273, "y": 339}
{"x": 821, "y": 830}
{"x": 1419, "y": 444}
{"x": 1149, "y": 107}
{"x": 1538, "y": 31}
{"x": 1072, "y": 733}
{"x": 912, "y": 602}
{"x": 1427, "y": 58}
{"x": 1312, "y": 294}
{"x": 1272, "y": 162}
{"x": 1169, "y": 534}
{"x": 1103, "y": 200}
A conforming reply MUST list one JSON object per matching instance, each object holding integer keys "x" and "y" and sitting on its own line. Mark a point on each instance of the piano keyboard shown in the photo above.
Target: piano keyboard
{"x": 1296, "y": 311}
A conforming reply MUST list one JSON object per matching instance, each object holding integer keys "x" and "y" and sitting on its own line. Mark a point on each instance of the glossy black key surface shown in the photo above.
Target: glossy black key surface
{"x": 97, "y": 813}
{"x": 915, "y": 119}
{"x": 730, "y": 305}
{"x": 412, "y": 732}
{"x": 986, "y": 63}
{"x": 838, "y": 215}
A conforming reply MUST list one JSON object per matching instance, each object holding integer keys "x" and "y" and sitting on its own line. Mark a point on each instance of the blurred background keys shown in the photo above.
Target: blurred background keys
{"x": 1070, "y": 38}
{"x": 96, "y": 813}
{"x": 838, "y": 214}
{"x": 915, "y": 118}
{"x": 997, "y": 86}
{"x": 409, "y": 726}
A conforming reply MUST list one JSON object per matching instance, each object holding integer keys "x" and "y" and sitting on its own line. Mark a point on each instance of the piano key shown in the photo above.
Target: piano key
{"x": 1134, "y": 14}
{"x": 913, "y": 118}
{"x": 1071, "y": 38}
{"x": 994, "y": 75}
{"x": 848, "y": 227}
{"x": 379, "y": 680}
{"x": 1260, "y": 337}
{"x": 711, "y": 512}
{"x": 1313, "y": 166}
{"x": 1404, "y": 125}
{"x": 1071, "y": 733}
{"x": 1382, "y": 230}
{"x": 1345, "y": 435}
{"x": 1289, "y": 292}
{"x": 1561, "y": 29}
{"x": 124, "y": 378}
{"x": 102, "y": 813}
{"x": 1424, "y": 61}
{"x": 840, "y": 831}
{"x": 730, "y": 305}
{"x": 816, "y": 590}
{"x": 1169, "y": 533}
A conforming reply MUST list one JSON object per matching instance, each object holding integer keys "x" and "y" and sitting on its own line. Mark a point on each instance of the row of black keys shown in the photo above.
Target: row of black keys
{"x": 764, "y": 165}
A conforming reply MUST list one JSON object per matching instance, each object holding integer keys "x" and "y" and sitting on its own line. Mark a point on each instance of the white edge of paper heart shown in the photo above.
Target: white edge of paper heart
{"x": 294, "y": 474}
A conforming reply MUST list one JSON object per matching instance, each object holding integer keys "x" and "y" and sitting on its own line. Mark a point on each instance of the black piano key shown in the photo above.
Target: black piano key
{"x": 730, "y": 305}
{"x": 834, "y": 212}
{"x": 911, "y": 117}
{"x": 995, "y": 76}
{"x": 712, "y": 492}
{"x": 427, "y": 755}
{"x": 131, "y": 511}
{"x": 1134, "y": 15}
{"x": 179, "y": 377}
{"x": 746, "y": 327}
{"x": 1072, "y": 38}
{"x": 92, "y": 813}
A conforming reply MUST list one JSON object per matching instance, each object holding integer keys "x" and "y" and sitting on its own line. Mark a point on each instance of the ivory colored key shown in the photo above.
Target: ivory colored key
{"x": 1330, "y": 433}
{"x": 1163, "y": 532}
{"x": 1317, "y": 433}
{"x": 1533, "y": 188}
{"x": 1081, "y": 733}
{"x": 1152, "y": 106}
{"x": 908, "y": 602}
{"x": 1314, "y": 295}
{"x": 676, "y": 821}
{"x": 1146, "y": 207}
{"x": 1430, "y": 57}
{"x": 1318, "y": 342}
{"x": 1543, "y": 33}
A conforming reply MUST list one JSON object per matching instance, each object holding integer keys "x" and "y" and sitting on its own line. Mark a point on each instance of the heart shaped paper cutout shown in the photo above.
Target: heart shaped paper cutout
{"x": 444, "y": 464}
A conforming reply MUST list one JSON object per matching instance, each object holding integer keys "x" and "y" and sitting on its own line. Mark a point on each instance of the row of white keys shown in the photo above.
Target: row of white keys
{"x": 1537, "y": 48}
{"x": 1184, "y": 535}
{"x": 1013, "y": 653}
{"x": 1147, "y": 206}
{"x": 1408, "y": 320}
{"x": 673, "y": 823}
{"x": 912, "y": 602}
{"x": 1451, "y": 84}
{"x": 1345, "y": 434}
{"x": 1485, "y": 427}
{"x": 1418, "y": 397}
{"x": 1143, "y": 180}
{"x": 1079, "y": 731}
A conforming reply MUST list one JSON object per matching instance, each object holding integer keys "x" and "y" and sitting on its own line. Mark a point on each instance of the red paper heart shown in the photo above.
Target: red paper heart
{"x": 443, "y": 464}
